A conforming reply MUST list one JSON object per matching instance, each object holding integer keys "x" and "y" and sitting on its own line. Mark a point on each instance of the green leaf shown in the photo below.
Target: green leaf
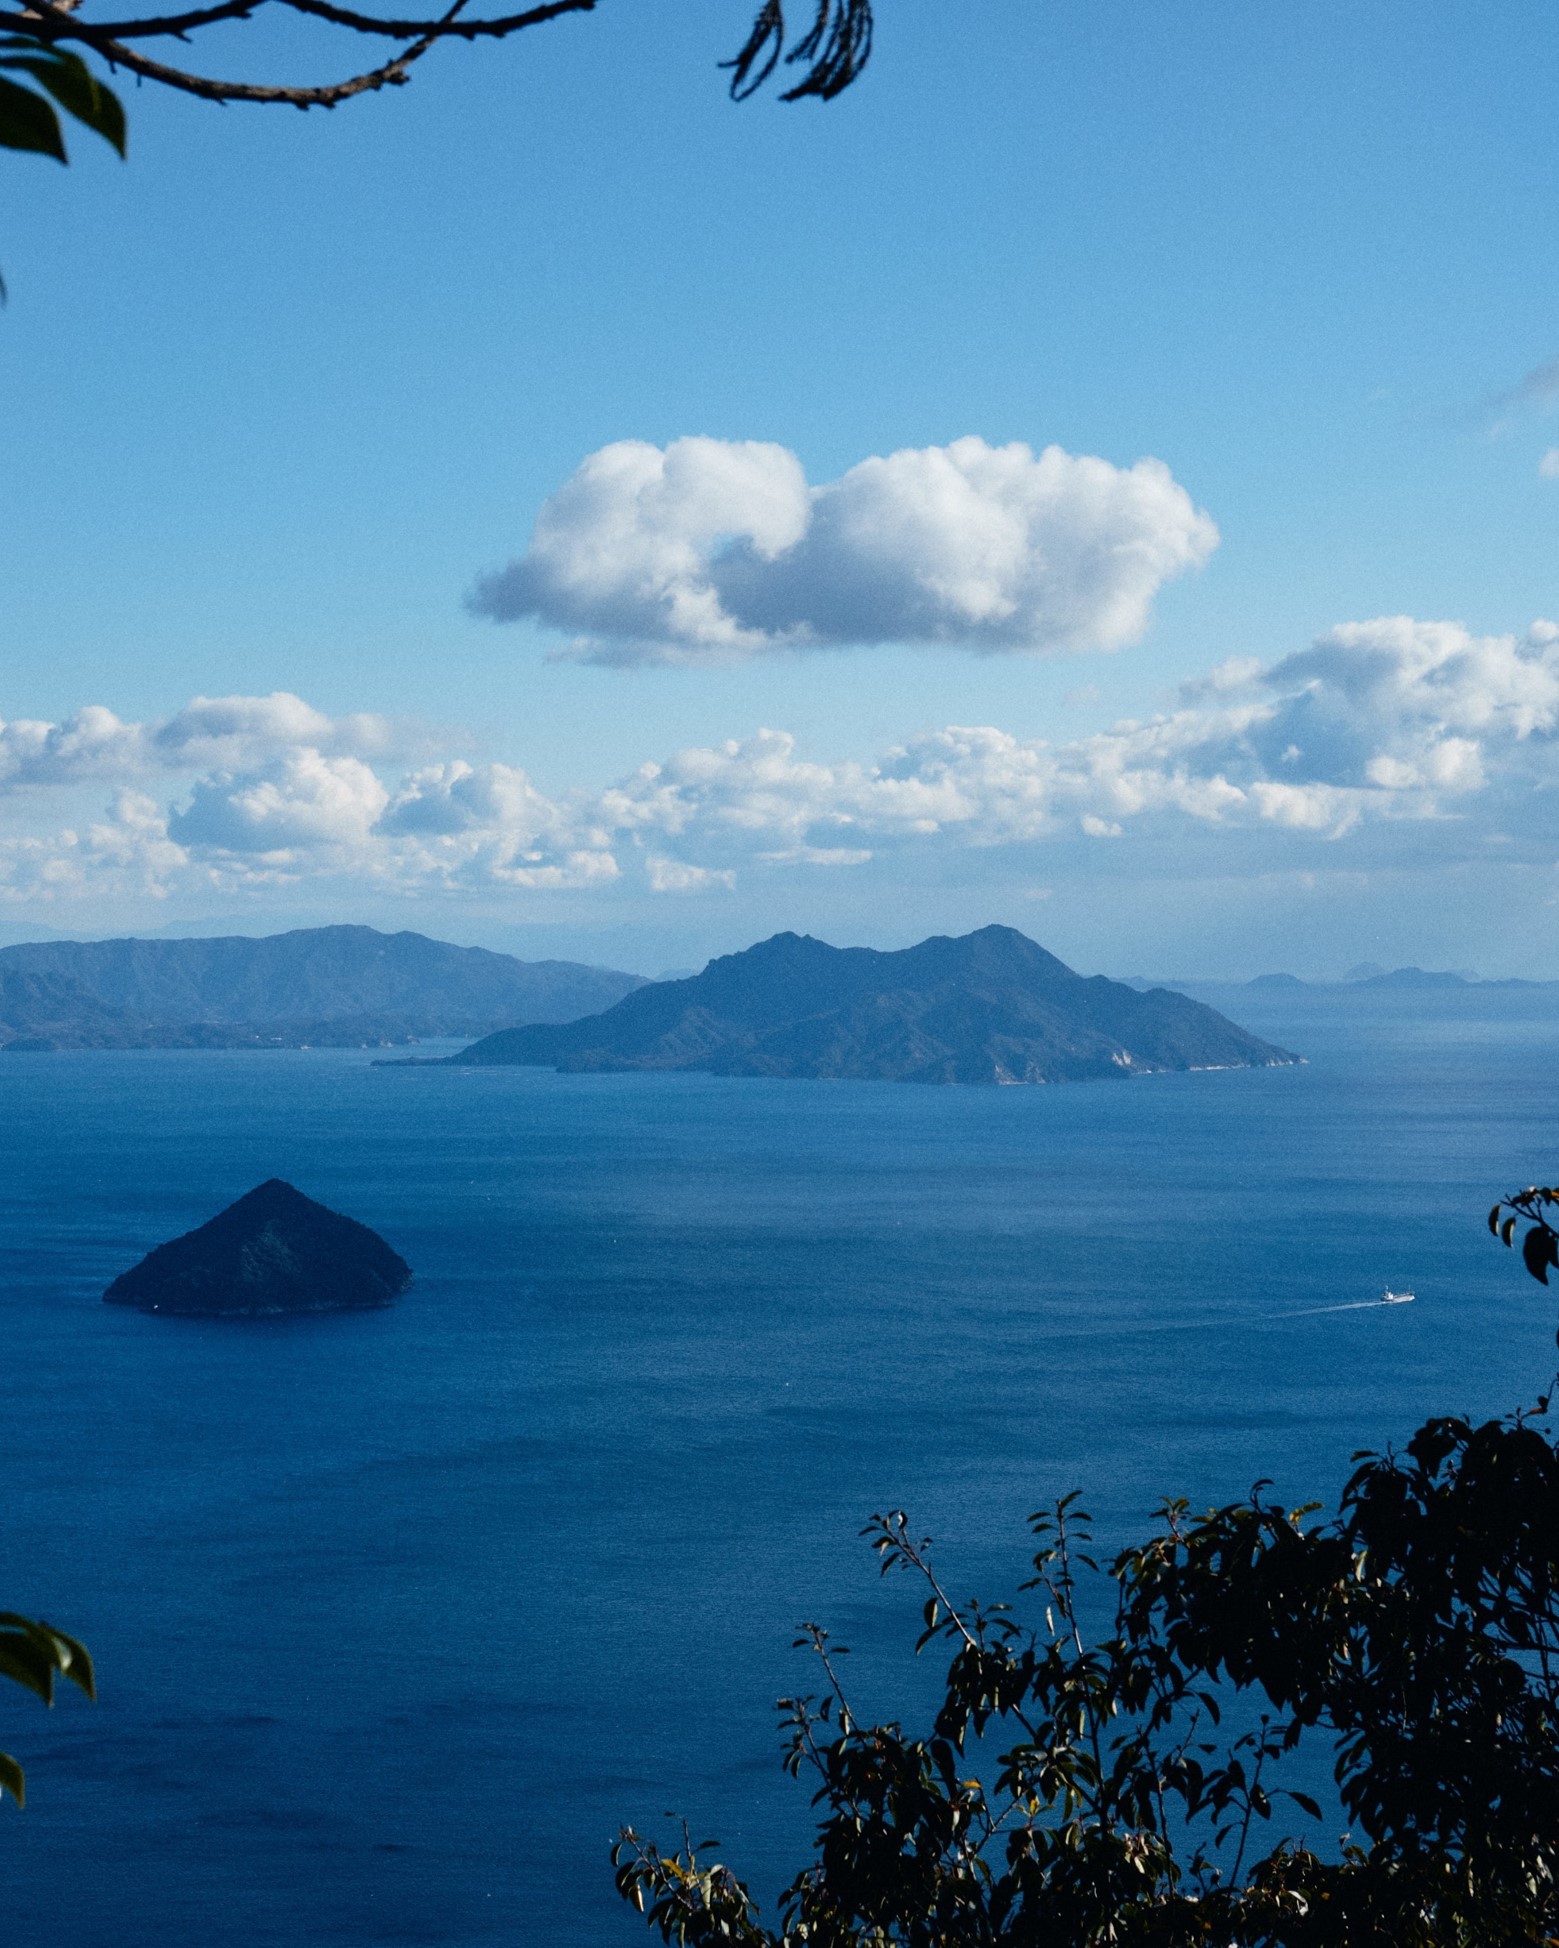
{"x": 32, "y": 1654}
{"x": 1507, "y": 1230}
{"x": 12, "y": 1780}
{"x": 77, "y": 90}
{"x": 1539, "y": 1250}
{"x": 28, "y": 122}
{"x": 1494, "y": 1219}
{"x": 76, "y": 1662}
{"x": 21, "y": 1662}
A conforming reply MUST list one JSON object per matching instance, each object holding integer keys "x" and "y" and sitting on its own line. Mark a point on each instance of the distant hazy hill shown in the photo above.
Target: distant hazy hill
{"x": 1407, "y": 979}
{"x": 990, "y": 1007}
{"x": 331, "y": 985}
{"x": 1413, "y": 977}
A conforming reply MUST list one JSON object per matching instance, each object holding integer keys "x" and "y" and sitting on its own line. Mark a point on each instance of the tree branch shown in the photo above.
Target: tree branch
{"x": 50, "y": 27}
{"x": 55, "y": 20}
{"x": 834, "y": 49}
{"x": 51, "y": 23}
{"x": 462, "y": 30}
{"x": 390, "y": 74}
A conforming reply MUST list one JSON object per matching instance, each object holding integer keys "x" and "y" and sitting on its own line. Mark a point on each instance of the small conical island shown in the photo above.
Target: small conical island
{"x": 272, "y": 1253}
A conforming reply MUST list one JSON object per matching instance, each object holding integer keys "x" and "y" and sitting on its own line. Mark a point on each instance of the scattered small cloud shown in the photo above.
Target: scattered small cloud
{"x": 1538, "y": 392}
{"x": 716, "y": 550}
{"x": 676, "y": 876}
{"x": 1539, "y": 388}
{"x": 818, "y": 855}
{"x": 1548, "y": 466}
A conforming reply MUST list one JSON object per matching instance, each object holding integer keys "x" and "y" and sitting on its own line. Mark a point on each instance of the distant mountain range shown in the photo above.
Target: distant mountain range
{"x": 325, "y": 986}
{"x": 1370, "y": 973}
{"x": 989, "y": 1007}
{"x": 1358, "y": 980}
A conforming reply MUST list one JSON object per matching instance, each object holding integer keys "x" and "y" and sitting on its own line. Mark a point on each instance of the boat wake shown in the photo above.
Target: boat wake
{"x": 1352, "y": 1305}
{"x": 1300, "y": 1312}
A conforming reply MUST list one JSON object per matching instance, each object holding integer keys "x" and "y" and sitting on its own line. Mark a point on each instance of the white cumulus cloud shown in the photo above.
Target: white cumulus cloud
{"x": 1376, "y": 731}
{"x": 713, "y": 549}
{"x": 237, "y": 731}
{"x": 456, "y": 823}
{"x": 93, "y": 743}
{"x": 304, "y": 801}
{"x": 127, "y": 853}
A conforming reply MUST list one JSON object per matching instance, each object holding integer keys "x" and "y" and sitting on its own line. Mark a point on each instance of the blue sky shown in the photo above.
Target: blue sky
{"x": 279, "y": 392}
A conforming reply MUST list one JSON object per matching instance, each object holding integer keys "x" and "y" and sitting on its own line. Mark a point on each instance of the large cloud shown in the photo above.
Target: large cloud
{"x": 713, "y": 549}
{"x": 1377, "y": 731}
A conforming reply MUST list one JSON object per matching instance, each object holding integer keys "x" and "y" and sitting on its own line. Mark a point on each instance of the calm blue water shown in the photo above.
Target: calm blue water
{"x": 400, "y": 1615}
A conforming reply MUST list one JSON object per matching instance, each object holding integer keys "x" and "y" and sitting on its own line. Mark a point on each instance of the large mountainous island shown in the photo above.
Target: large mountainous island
{"x": 989, "y": 1007}
{"x": 331, "y": 986}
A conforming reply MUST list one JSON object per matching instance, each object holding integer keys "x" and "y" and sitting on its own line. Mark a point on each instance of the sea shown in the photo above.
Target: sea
{"x": 399, "y": 1616}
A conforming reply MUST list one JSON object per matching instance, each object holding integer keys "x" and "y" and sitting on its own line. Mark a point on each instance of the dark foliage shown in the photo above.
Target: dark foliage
{"x": 38, "y": 79}
{"x": 1137, "y": 1786}
{"x": 833, "y": 50}
{"x": 41, "y": 74}
{"x": 1540, "y": 1243}
{"x": 34, "y": 1655}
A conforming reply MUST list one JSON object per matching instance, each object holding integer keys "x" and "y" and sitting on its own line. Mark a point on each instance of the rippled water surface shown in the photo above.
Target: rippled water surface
{"x": 400, "y": 1615}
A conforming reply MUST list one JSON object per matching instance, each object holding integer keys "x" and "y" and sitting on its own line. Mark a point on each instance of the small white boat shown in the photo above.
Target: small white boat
{"x": 1388, "y": 1297}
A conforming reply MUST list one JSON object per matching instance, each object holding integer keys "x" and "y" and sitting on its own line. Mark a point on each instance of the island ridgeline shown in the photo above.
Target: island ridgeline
{"x": 988, "y": 1007}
